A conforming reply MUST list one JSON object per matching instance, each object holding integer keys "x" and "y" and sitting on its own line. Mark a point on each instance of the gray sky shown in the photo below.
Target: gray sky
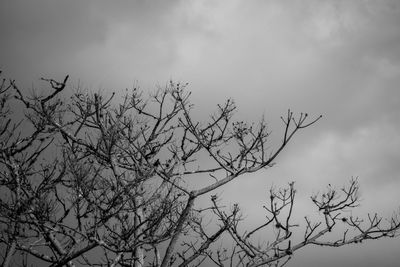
{"x": 336, "y": 58}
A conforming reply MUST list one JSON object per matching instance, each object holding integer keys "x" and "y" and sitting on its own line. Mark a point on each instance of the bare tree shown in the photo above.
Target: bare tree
{"x": 90, "y": 181}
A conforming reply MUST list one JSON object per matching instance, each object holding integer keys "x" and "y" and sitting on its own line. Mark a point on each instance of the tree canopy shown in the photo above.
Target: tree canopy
{"x": 87, "y": 179}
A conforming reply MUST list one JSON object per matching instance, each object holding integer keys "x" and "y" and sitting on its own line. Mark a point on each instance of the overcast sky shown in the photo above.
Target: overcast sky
{"x": 340, "y": 59}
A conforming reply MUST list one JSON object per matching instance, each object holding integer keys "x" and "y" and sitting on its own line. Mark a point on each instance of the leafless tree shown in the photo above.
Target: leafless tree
{"x": 87, "y": 180}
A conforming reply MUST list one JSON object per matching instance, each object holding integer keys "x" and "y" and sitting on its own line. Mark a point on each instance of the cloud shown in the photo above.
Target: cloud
{"x": 39, "y": 37}
{"x": 336, "y": 58}
{"x": 370, "y": 153}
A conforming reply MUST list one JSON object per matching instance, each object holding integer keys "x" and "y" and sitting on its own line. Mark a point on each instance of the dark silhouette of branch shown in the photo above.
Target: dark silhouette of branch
{"x": 97, "y": 181}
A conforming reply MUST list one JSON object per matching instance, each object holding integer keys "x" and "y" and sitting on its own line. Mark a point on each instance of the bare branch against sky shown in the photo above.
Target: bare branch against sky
{"x": 336, "y": 58}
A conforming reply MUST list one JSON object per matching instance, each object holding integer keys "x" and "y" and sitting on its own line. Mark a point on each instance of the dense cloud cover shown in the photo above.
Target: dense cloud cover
{"x": 336, "y": 58}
